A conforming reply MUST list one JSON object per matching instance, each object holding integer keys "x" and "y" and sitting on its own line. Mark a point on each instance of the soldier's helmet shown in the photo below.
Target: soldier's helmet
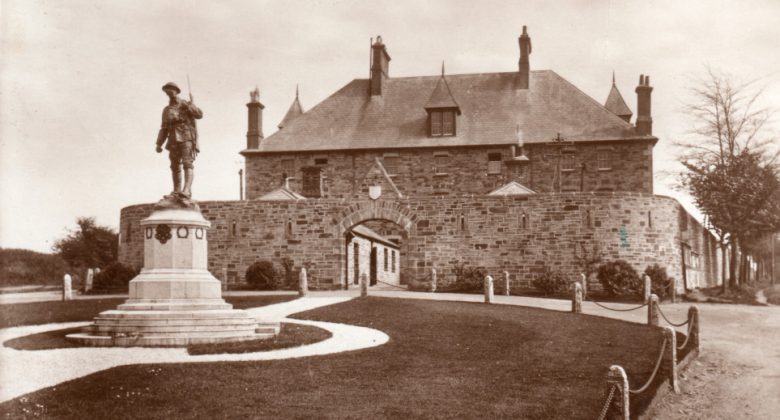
{"x": 171, "y": 85}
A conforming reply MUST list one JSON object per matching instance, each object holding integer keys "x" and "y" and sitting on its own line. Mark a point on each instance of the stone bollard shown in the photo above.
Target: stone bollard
{"x": 67, "y": 291}
{"x": 617, "y": 378}
{"x": 652, "y": 310}
{"x": 303, "y": 283}
{"x": 670, "y": 357}
{"x": 693, "y": 319}
{"x": 88, "y": 282}
{"x": 433, "y": 280}
{"x": 488, "y": 289}
{"x": 576, "y": 299}
{"x": 584, "y": 282}
{"x": 363, "y": 285}
{"x": 648, "y": 287}
{"x": 506, "y": 283}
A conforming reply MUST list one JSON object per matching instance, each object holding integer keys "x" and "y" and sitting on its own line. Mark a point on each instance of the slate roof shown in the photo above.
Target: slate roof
{"x": 442, "y": 96}
{"x": 616, "y": 104}
{"x": 370, "y": 234}
{"x": 492, "y": 106}
{"x": 295, "y": 110}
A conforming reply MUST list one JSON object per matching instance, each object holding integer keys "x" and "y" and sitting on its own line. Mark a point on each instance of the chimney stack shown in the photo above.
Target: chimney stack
{"x": 524, "y": 64}
{"x": 380, "y": 66}
{"x": 255, "y": 113}
{"x": 644, "y": 121}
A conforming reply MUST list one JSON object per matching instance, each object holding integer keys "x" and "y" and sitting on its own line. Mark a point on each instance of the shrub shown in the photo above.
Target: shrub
{"x": 468, "y": 279}
{"x": 20, "y": 267}
{"x": 262, "y": 275}
{"x": 618, "y": 278}
{"x": 115, "y": 276}
{"x": 660, "y": 282}
{"x": 551, "y": 282}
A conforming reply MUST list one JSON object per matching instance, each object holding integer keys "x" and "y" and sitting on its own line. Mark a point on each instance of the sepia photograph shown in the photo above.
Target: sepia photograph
{"x": 389, "y": 209}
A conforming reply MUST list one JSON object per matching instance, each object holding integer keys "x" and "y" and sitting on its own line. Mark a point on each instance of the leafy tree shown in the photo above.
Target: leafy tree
{"x": 90, "y": 245}
{"x": 728, "y": 161}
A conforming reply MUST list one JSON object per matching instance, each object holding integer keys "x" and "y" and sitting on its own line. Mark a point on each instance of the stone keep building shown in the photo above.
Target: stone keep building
{"x": 513, "y": 171}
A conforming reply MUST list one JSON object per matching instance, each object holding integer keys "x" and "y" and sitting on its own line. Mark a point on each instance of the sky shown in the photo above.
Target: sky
{"x": 80, "y": 97}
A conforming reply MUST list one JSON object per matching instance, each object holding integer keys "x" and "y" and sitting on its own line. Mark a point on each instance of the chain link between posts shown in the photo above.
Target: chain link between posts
{"x": 655, "y": 370}
{"x": 618, "y": 310}
{"x": 667, "y": 319}
{"x": 608, "y": 402}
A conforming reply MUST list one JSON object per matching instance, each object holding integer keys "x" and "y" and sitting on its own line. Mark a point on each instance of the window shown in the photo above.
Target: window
{"x": 524, "y": 220}
{"x": 384, "y": 251}
{"x": 390, "y": 162}
{"x": 567, "y": 162}
{"x": 288, "y": 168}
{"x": 440, "y": 163}
{"x": 494, "y": 163}
{"x": 603, "y": 160}
{"x": 393, "y": 266}
{"x": 447, "y": 123}
{"x": 312, "y": 182}
{"x": 435, "y": 123}
{"x": 320, "y": 161}
{"x": 442, "y": 123}
{"x": 288, "y": 228}
{"x": 234, "y": 228}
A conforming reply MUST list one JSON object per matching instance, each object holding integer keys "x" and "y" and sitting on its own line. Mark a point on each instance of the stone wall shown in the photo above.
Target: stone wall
{"x": 463, "y": 170}
{"x": 521, "y": 235}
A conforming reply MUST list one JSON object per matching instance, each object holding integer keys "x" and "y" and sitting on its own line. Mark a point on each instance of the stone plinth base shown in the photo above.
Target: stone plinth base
{"x": 174, "y": 301}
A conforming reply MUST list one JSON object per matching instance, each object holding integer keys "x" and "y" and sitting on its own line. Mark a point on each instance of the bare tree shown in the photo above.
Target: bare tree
{"x": 728, "y": 122}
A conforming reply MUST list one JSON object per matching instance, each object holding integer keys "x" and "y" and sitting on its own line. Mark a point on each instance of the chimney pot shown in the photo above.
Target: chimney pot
{"x": 644, "y": 120}
{"x": 524, "y": 63}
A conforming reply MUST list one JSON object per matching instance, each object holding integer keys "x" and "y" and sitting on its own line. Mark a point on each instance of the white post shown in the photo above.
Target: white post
{"x": 648, "y": 287}
{"x": 671, "y": 358}
{"x": 506, "y": 283}
{"x": 90, "y": 278}
{"x": 433, "y": 280}
{"x": 303, "y": 283}
{"x": 617, "y": 377}
{"x": 363, "y": 285}
{"x": 576, "y": 301}
{"x": 584, "y": 283}
{"x": 488, "y": 289}
{"x": 652, "y": 310}
{"x": 67, "y": 291}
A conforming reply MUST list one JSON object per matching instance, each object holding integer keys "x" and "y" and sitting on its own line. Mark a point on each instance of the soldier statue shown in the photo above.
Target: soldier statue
{"x": 181, "y": 134}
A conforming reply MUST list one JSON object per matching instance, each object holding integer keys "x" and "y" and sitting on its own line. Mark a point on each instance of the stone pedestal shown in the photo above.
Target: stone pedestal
{"x": 174, "y": 301}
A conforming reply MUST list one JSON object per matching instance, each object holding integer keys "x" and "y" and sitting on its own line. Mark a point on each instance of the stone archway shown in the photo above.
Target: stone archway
{"x": 361, "y": 212}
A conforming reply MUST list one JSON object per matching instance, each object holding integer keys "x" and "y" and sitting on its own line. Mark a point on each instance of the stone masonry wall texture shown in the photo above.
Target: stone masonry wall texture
{"x": 463, "y": 170}
{"x": 484, "y": 231}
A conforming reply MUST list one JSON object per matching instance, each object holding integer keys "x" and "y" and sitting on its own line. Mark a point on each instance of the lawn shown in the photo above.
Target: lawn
{"x": 34, "y": 313}
{"x": 443, "y": 360}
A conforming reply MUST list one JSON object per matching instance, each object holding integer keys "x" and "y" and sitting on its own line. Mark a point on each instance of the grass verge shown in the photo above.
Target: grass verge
{"x": 443, "y": 360}
{"x": 291, "y": 335}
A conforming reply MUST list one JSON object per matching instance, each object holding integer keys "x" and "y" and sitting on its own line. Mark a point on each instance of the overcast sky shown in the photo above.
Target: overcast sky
{"x": 80, "y": 97}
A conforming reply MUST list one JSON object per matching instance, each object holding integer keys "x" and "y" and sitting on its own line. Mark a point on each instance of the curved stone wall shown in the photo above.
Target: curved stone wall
{"x": 520, "y": 235}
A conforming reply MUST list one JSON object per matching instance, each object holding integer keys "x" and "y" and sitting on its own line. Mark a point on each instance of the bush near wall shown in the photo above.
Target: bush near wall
{"x": 551, "y": 282}
{"x": 262, "y": 276}
{"x": 660, "y": 282}
{"x": 113, "y": 279}
{"x": 619, "y": 278}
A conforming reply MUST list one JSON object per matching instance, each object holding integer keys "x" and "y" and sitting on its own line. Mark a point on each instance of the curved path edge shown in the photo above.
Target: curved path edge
{"x": 25, "y": 371}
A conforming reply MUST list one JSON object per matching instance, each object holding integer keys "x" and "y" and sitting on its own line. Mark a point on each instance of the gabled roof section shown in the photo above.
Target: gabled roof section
{"x": 294, "y": 112}
{"x": 492, "y": 106}
{"x": 282, "y": 194}
{"x": 442, "y": 96}
{"x": 513, "y": 188}
{"x": 616, "y": 104}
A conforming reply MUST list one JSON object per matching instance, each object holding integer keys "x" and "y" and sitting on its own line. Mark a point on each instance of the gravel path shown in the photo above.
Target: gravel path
{"x": 22, "y": 371}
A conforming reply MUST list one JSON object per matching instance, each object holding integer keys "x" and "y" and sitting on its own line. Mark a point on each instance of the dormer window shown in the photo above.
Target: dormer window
{"x": 442, "y": 123}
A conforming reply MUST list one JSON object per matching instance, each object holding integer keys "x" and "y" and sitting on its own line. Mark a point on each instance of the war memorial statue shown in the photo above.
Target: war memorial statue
{"x": 175, "y": 300}
{"x": 179, "y": 134}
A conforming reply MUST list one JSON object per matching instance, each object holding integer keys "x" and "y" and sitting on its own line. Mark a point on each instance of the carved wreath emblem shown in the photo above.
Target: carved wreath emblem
{"x": 163, "y": 233}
